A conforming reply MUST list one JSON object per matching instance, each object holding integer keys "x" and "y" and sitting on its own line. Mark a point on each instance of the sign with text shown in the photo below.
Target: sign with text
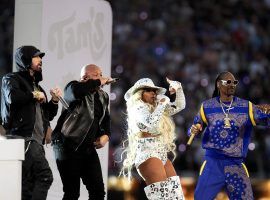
{"x": 75, "y": 33}
{"x": 72, "y": 33}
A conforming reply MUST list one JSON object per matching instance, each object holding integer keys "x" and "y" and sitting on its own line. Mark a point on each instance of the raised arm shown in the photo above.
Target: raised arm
{"x": 77, "y": 90}
{"x": 180, "y": 101}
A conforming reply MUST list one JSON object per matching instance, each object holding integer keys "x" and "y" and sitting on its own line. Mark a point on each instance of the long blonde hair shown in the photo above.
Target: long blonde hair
{"x": 166, "y": 128}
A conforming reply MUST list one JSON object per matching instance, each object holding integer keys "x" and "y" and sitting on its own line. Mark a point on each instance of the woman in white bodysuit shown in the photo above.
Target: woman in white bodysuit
{"x": 151, "y": 135}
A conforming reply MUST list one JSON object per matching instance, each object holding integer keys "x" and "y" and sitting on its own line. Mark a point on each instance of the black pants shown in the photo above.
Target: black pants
{"x": 36, "y": 174}
{"x": 74, "y": 166}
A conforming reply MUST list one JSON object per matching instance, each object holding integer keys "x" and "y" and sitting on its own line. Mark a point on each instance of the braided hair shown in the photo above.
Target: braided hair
{"x": 219, "y": 77}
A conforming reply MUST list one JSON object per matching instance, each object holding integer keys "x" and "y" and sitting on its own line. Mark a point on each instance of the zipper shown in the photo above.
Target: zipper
{"x": 104, "y": 108}
{"x": 88, "y": 127}
{"x": 84, "y": 136}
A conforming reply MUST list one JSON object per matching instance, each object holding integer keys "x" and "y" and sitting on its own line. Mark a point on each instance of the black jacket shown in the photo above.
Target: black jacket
{"x": 18, "y": 106}
{"x": 74, "y": 124}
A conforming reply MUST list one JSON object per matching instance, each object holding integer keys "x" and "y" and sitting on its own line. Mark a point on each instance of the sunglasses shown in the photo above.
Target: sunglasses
{"x": 149, "y": 89}
{"x": 229, "y": 82}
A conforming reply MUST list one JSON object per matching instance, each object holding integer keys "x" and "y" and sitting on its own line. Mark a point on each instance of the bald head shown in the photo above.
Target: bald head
{"x": 90, "y": 71}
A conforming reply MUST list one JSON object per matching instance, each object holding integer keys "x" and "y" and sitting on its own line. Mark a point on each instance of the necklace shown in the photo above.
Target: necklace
{"x": 227, "y": 123}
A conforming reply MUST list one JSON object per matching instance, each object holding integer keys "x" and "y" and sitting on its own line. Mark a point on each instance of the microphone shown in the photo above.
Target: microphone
{"x": 162, "y": 96}
{"x": 190, "y": 140}
{"x": 198, "y": 126}
{"x": 63, "y": 102}
{"x": 113, "y": 80}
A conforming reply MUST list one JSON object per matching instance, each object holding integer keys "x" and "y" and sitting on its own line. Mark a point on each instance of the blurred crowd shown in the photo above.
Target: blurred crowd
{"x": 192, "y": 42}
{"x": 6, "y": 36}
{"x": 188, "y": 41}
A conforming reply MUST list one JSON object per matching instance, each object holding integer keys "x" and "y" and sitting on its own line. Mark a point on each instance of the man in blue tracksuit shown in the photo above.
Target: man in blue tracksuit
{"x": 227, "y": 123}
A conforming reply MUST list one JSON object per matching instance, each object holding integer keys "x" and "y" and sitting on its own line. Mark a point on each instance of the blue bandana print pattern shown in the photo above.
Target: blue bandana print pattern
{"x": 230, "y": 141}
{"x": 223, "y": 138}
{"x": 237, "y": 183}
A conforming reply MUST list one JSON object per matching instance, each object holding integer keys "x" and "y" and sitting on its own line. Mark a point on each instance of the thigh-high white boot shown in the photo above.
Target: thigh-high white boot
{"x": 176, "y": 192}
{"x": 157, "y": 191}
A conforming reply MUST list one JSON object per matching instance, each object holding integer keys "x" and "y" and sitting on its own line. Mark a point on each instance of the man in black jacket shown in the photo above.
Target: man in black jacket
{"x": 25, "y": 114}
{"x": 82, "y": 129}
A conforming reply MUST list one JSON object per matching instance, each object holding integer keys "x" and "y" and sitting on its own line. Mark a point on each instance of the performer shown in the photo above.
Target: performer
{"x": 26, "y": 113}
{"x": 151, "y": 136}
{"x": 226, "y": 121}
{"x": 80, "y": 130}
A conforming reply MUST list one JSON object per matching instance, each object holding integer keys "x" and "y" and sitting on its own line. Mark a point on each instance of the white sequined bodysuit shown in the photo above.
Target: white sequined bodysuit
{"x": 146, "y": 121}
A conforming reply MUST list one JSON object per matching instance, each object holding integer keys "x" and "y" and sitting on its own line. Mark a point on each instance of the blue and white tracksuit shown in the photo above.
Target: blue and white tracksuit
{"x": 226, "y": 148}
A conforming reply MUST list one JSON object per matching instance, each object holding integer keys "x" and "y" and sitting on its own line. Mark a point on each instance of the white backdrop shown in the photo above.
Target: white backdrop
{"x": 72, "y": 33}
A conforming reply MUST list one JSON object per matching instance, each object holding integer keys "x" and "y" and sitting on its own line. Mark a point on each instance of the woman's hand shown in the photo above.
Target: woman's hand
{"x": 163, "y": 99}
{"x": 174, "y": 86}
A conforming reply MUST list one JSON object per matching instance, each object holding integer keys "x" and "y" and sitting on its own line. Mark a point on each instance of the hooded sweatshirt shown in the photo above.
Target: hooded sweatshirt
{"x": 18, "y": 106}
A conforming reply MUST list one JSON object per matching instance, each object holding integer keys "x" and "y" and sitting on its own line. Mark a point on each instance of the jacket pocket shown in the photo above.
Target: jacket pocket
{"x": 70, "y": 122}
{"x": 77, "y": 124}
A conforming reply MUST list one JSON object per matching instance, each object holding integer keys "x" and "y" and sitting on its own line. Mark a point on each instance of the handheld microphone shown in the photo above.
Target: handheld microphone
{"x": 198, "y": 126}
{"x": 190, "y": 140}
{"x": 63, "y": 102}
{"x": 112, "y": 81}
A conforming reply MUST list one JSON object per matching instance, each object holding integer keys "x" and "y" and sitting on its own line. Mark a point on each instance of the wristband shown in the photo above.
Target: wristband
{"x": 54, "y": 102}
